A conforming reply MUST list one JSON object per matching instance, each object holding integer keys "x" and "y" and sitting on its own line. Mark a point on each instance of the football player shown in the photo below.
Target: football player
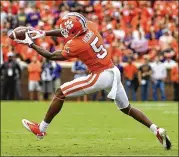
{"x": 86, "y": 44}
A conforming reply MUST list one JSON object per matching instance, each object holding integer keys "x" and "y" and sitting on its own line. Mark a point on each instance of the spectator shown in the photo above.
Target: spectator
{"x": 3, "y": 15}
{"x": 128, "y": 37}
{"x": 74, "y": 6}
{"x": 153, "y": 45}
{"x": 138, "y": 33}
{"x": 9, "y": 74}
{"x": 155, "y": 32}
{"x": 14, "y": 6}
{"x": 169, "y": 63}
{"x": 56, "y": 75}
{"x": 46, "y": 14}
{"x": 175, "y": 45}
{"x": 130, "y": 72}
{"x": 12, "y": 21}
{"x": 175, "y": 81}
{"x": 79, "y": 69}
{"x": 87, "y": 6}
{"x": 22, "y": 66}
{"x": 20, "y": 61}
{"x": 127, "y": 53}
{"x": 119, "y": 32}
{"x": 144, "y": 74}
{"x": 34, "y": 69}
{"x": 18, "y": 94}
{"x": 119, "y": 65}
{"x": 116, "y": 49}
{"x": 159, "y": 74}
{"x": 33, "y": 17}
{"x": 165, "y": 42}
{"x": 47, "y": 79}
{"x": 5, "y": 44}
{"x": 108, "y": 35}
{"x": 140, "y": 45}
{"x": 22, "y": 18}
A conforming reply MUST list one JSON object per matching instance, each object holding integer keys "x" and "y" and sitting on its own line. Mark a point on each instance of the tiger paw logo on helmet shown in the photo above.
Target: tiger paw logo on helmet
{"x": 68, "y": 24}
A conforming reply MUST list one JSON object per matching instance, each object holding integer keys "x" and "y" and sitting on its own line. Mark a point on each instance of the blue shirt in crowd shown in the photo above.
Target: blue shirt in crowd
{"x": 57, "y": 71}
{"x": 79, "y": 66}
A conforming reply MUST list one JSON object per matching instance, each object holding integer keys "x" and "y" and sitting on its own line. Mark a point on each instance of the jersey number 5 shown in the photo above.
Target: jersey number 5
{"x": 99, "y": 49}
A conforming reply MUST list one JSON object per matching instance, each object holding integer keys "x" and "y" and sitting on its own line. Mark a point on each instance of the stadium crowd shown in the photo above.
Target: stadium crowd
{"x": 136, "y": 33}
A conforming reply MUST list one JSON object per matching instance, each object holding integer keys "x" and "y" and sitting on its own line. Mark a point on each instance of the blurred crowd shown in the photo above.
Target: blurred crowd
{"x": 133, "y": 31}
{"x": 43, "y": 78}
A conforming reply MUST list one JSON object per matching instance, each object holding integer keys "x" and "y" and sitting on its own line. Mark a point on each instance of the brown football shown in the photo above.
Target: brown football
{"x": 18, "y": 33}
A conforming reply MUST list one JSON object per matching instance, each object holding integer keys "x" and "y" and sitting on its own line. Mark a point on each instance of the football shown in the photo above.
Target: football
{"x": 18, "y": 33}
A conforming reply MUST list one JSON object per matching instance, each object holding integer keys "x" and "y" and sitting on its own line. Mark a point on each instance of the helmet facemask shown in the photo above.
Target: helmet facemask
{"x": 64, "y": 32}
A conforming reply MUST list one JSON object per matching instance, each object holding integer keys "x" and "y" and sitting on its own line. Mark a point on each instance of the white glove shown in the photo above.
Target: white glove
{"x": 27, "y": 40}
{"x": 38, "y": 33}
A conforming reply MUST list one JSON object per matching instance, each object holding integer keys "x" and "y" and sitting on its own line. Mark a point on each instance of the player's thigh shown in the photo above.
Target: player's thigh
{"x": 88, "y": 84}
{"x": 74, "y": 88}
{"x": 121, "y": 98}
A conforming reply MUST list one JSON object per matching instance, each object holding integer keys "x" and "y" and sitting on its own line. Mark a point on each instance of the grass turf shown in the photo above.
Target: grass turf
{"x": 87, "y": 129}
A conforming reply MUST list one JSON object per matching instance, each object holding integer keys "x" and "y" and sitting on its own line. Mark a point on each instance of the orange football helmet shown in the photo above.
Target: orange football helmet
{"x": 73, "y": 24}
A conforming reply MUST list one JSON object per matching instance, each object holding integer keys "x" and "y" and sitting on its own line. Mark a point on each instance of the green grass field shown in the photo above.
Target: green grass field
{"x": 87, "y": 129}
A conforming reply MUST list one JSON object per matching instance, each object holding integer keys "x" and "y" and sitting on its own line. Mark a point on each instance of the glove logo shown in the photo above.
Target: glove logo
{"x": 68, "y": 24}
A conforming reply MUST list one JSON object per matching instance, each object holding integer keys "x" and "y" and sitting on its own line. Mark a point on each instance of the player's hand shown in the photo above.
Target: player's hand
{"x": 36, "y": 33}
{"x": 27, "y": 41}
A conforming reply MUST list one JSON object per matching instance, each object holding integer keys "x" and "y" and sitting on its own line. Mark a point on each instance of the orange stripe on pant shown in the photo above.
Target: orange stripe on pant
{"x": 77, "y": 83}
{"x": 83, "y": 87}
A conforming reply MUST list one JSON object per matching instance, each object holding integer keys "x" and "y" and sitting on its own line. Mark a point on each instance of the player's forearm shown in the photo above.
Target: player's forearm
{"x": 41, "y": 51}
{"x": 51, "y": 56}
{"x": 55, "y": 32}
